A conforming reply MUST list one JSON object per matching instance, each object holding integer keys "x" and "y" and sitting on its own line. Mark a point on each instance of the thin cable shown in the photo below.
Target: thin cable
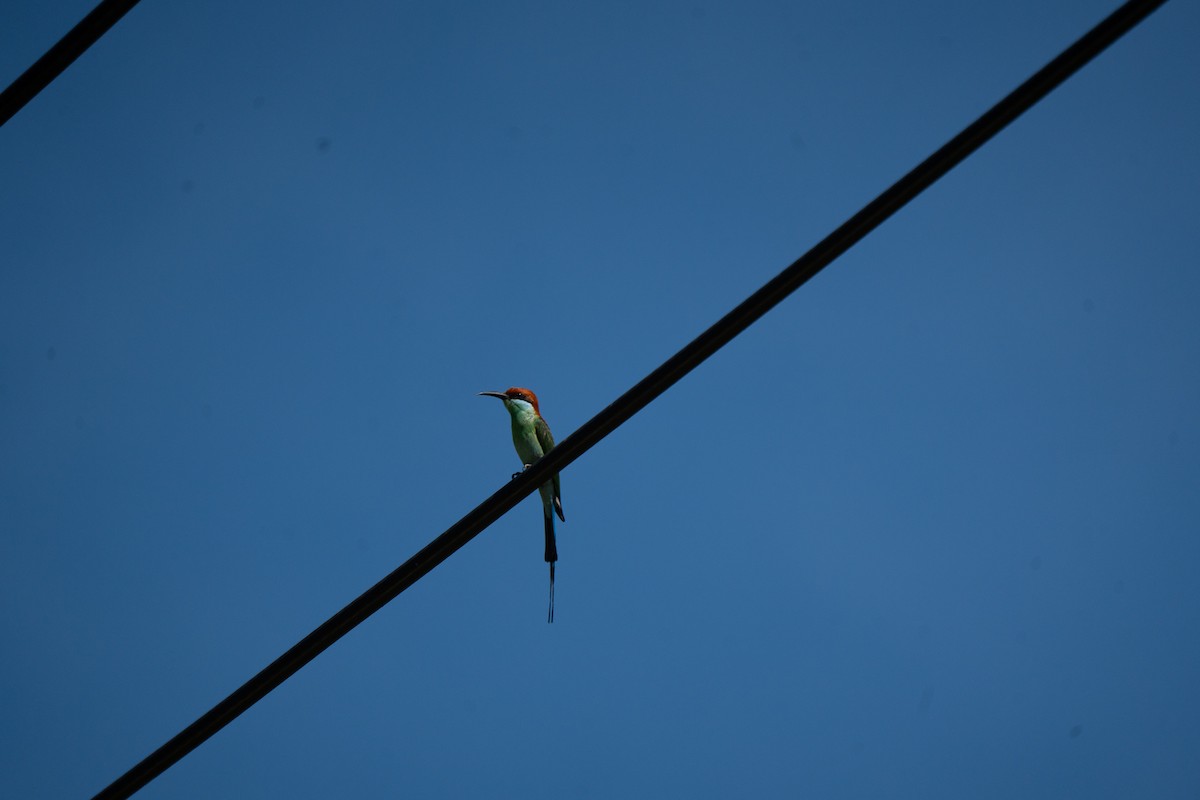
{"x": 61, "y": 56}
{"x": 683, "y": 362}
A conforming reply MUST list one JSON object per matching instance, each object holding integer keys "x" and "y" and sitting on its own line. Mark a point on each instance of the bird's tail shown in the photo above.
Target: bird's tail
{"x": 551, "y": 557}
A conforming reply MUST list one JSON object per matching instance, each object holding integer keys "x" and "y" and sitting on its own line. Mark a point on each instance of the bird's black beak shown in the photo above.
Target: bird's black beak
{"x": 501, "y": 395}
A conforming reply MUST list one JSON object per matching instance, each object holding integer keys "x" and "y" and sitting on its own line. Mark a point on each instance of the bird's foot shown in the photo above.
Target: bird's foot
{"x": 516, "y": 474}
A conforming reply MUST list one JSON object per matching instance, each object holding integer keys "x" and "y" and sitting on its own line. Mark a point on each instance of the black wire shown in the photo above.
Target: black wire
{"x": 683, "y": 362}
{"x": 61, "y": 55}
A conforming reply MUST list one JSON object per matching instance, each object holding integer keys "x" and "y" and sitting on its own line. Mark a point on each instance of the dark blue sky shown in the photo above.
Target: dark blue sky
{"x": 928, "y": 530}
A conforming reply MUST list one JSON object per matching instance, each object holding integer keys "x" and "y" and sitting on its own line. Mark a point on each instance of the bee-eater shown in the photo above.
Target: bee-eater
{"x": 531, "y": 436}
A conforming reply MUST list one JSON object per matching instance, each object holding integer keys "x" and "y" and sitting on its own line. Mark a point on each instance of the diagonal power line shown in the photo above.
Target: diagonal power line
{"x": 61, "y": 55}
{"x": 649, "y": 388}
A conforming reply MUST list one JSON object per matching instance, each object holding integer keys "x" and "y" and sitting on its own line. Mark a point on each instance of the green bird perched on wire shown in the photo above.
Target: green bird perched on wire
{"x": 532, "y": 439}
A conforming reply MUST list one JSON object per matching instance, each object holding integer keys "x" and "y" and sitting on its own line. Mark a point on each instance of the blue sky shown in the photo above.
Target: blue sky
{"x": 927, "y": 530}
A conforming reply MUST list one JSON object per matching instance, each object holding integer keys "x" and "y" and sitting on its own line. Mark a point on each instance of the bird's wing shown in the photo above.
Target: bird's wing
{"x": 542, "y": 431}
{"x": 546, "y": 440}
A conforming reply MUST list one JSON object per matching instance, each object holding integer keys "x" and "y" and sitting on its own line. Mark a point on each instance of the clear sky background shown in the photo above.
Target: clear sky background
{"x": 929, "y": 530}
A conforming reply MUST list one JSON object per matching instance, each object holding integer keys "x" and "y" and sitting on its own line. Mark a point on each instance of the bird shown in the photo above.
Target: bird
{"x": 532, "y": 439}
